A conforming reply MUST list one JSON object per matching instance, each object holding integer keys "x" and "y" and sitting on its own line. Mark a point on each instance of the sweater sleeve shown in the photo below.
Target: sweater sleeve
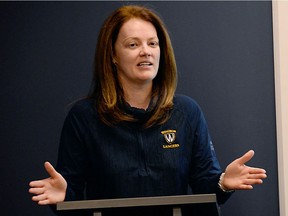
{"x": 206, "y": 169}
{"x": 72, "y": 162}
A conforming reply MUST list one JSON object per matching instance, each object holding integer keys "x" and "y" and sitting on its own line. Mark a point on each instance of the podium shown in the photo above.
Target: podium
{"x": 175, "y": 203}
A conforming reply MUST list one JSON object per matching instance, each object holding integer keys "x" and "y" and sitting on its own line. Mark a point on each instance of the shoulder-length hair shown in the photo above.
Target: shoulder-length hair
{"x": 106, "y": 89}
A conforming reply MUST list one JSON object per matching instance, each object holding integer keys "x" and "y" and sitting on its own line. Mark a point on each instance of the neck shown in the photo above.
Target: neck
{"x": 138, "y": 97}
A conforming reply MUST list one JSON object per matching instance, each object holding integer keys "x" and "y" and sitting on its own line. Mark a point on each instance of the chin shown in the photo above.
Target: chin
{"x": 148, "y": 75}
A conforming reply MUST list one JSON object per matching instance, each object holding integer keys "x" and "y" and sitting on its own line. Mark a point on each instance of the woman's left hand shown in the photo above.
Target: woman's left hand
{"x": 238, "y": 176}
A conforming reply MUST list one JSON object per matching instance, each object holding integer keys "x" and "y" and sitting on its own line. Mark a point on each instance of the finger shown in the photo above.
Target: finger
{"x": 38, "y": 183}
{"x": 254, "y": 170}
{"x": 50, "y": 169}
{"x": 39, "y": 197}
{"x": 36, "y": 191}
{"x": 44, "y": 202}
{"x": 246, "y": 157}
{"x": 252, "y": 181}
{"x": 257, "y": 176}
{"x": 245, "y": 187}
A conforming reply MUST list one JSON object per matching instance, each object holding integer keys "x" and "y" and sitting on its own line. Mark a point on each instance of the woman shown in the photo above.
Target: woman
{"x": 132, "y": 136}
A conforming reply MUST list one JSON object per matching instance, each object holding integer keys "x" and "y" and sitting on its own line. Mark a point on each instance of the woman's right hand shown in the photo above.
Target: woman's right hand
{"x": 50, "y": 190}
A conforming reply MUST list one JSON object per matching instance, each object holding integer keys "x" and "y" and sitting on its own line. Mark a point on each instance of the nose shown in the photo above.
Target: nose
{"x": 145, "y": 51}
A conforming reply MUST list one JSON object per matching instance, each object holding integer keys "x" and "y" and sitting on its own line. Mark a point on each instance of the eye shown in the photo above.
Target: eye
{"x": 153, "y": 43}
{"x": 132, "y": 45}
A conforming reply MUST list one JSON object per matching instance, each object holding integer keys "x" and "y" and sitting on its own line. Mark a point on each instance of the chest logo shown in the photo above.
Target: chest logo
{"x": 170, "y": 136}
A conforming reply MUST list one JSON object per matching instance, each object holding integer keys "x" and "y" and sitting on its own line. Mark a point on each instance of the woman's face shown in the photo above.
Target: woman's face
{"x": 137, "y": 52}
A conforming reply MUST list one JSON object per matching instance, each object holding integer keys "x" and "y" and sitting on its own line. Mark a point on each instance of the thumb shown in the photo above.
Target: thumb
{"x": 50, "y": 170}
{"x": 246, "y": 157}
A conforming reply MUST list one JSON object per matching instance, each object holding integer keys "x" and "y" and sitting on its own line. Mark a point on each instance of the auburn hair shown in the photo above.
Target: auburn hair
{"x": 106, "y": 89}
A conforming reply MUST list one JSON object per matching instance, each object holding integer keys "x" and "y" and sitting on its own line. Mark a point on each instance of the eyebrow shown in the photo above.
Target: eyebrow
{"x": 137, "y": 38}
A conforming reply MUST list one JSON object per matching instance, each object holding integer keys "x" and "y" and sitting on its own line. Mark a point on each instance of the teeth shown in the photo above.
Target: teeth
{"x": 144, "y": 64}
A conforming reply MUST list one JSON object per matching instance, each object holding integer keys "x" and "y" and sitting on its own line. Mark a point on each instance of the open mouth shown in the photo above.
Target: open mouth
{"x": 144, "y": 64}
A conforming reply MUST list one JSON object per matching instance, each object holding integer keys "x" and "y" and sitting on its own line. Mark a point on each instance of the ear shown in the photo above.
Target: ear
{"x": 115, "y": 63}
{"x": 114, "y": 59}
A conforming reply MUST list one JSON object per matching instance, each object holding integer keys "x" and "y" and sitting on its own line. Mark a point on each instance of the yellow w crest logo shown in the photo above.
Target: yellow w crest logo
{"x": 169, "y": 135}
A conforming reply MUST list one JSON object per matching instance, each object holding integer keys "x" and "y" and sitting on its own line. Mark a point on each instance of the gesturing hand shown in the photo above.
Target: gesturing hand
{"x": 238, "y": 176}
{"x": 50, "y": 190}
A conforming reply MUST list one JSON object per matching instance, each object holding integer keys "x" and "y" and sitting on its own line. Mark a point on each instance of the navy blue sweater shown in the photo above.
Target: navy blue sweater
{"x": 102, "y": 162}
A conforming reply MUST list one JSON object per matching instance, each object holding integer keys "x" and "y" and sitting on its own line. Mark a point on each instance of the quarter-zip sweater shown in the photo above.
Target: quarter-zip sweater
{"x": 126, "y": 160}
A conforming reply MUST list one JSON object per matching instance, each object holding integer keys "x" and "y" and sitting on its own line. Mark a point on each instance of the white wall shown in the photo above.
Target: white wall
{"x": 280, "y": 30}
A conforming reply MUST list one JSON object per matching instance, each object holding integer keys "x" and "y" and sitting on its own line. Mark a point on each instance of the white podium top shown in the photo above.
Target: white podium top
{"x": 137, "y": 202}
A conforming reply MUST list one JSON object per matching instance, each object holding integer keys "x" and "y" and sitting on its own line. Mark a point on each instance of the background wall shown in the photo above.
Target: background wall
{"x": 280, "y": 35}
{"x": 225, "y": 59}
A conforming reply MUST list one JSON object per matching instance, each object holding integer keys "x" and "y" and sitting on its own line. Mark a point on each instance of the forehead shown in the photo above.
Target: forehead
{"x": 136, "y": 27}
